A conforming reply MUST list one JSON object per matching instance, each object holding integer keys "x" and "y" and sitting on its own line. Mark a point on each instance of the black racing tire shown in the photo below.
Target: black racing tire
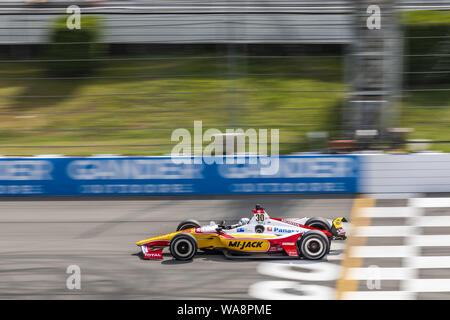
{"x": 318, "y": 223}
{"x": 183, "y": 246}
{"x": 313, "y": 245}
{"x": 188, "y": 224}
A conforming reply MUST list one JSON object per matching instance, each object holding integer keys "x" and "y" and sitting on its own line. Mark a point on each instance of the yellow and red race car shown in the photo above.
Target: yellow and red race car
{"x": 307, "y": 238}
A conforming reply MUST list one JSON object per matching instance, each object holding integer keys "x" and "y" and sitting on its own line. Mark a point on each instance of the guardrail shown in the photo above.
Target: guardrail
{"x": 161, "y": 176}
{"x": 398, "y": 173}
{"x": 299, "y": 174}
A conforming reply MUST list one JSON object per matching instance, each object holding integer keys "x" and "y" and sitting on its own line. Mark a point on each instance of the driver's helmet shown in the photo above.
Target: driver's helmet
{"x": 243, "y": 221}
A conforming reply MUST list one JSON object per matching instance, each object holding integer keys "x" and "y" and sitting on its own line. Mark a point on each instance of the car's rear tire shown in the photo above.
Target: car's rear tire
{"x": 318, "y": 223}
{"x": 188, "y": 224}
{"x": 183, "y": 246}
{"x": 313, "y": 245}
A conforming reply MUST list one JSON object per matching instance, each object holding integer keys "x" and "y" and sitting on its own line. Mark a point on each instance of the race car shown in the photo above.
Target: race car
{"x": 307, "y": 238}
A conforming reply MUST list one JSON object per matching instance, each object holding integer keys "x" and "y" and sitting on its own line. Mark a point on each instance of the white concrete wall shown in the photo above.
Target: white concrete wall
{"x": 383, "y": 173}
{"x": 192, "y": 28}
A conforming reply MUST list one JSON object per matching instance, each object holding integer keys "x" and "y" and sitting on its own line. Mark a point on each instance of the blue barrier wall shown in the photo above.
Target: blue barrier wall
{"x": 161, "y": 176}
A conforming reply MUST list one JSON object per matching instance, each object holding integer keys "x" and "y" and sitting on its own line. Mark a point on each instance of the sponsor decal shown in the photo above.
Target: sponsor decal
{"x": 275, "y": 248}
{"x": 338, "y": 222}
{"x": 131, "y": 169}
{"x": 256, "y": 211}
{"x": 26, "y": 170}
{"x": 269, "y": 229}
{"x": 240, "y": 230}
{"x": 152, "y": 253}
{"x": 292, "y": 252}
{"x": 293, "y": 223}
{"x": 243, "y": 245}
{"x": 288, "y": 244}
{"x": 283, "y": 230}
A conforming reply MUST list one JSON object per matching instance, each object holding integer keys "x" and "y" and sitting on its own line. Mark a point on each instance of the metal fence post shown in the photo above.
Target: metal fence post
{"x": 376, "y": 67}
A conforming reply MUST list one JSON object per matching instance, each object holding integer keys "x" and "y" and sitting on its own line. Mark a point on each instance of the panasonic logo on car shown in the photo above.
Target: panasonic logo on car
{"x": 282, "y": 230}
{"x": 140, "y": 169}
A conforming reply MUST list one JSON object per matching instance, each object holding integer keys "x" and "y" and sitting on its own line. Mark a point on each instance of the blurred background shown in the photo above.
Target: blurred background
{"x": 137, "y": 70}
{"x": 324, "y": 73}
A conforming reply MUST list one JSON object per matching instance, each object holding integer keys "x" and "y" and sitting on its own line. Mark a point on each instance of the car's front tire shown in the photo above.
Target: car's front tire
{"x": 188, "y": 224}
{"x": 313, "y": 245}
{"x": 183, "y": 246}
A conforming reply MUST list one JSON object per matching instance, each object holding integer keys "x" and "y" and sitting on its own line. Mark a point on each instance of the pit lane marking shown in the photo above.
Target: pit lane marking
{"x": 411, "y": 285}
{"x": 408, "y": 274}
{"x": 349, "y": 261}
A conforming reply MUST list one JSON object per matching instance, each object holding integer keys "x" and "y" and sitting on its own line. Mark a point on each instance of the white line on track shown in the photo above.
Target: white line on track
{"x": 388, "y": 212}
{"x": 338, "y": 257}
{"x": 338, "y": 245}
{"x": 433, "y": 221}
{"x": 378, "y": 295}
{"x": 381, "y": 251}
{"x": 302, "y": 270}
{"x": 430, "y": 202}
{"x": 379, "y": 274}
{"x": 430, "y": 262}
{"x": 384, "y": 231}
{"x": 276, "y": 290}
{"x": 431, "y": 240}
{"x": 428, "y": 285}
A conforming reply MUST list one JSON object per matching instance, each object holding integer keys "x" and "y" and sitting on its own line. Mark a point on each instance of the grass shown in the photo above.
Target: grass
{"x": 111, "y": 114}
{"x": 425, "y": 16}
{"x": 428, "y": 113}
{"x": 132, "y": 107}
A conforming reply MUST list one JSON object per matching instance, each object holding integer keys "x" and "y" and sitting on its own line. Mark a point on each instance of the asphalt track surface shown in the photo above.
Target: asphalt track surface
{"x": 40, "y": 239}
